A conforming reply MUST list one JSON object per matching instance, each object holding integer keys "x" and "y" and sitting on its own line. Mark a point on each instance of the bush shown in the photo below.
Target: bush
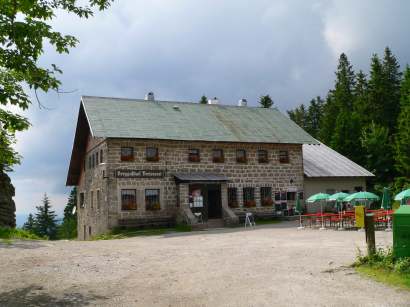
{"x": 384, "y": 259}
{"x": 17, "y": 233}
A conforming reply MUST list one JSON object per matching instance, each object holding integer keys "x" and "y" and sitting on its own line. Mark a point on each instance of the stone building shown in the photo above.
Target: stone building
{"x": 149, "y": 162}
{"x": 327, "y": 171}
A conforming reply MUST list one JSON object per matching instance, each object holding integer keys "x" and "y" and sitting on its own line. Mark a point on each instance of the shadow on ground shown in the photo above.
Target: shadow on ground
{"x": 21, "y": 244}
{"x": 36, "y": 296}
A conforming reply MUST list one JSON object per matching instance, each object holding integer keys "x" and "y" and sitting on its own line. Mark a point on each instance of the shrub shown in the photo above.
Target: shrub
{"x": 17, "y": 233}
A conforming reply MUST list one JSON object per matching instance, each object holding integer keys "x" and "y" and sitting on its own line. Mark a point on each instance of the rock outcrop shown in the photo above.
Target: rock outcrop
{"x": 7, "y": 205}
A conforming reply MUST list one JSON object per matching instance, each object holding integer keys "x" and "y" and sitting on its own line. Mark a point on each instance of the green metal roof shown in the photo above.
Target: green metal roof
{"x": 166, "y": 120}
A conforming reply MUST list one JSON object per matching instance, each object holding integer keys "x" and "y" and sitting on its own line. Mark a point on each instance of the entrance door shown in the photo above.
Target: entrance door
{"x": 214, "y": 201}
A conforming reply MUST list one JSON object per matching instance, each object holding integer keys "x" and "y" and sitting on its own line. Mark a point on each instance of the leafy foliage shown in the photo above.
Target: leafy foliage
{"x": 68, "y": 229}
{"x": 366, "y": 119}
{"x": 203, "y": 100}
{"x": 45, "y": 224}
{"x": 29, "y": 224}
{"x": 24, "y": 30}
{"x": 7, "y": 233}
{"x": 266, "y": 101}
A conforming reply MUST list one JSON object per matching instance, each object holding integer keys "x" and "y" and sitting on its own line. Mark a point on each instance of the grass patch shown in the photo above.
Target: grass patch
{"x": 8, "y": 234}
{"x": 129, "y": 233}
{"x": 384, "y": 267}
{"x": 385, "y": 276}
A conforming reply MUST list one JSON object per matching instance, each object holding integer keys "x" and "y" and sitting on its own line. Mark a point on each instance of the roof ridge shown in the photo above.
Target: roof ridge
{"x": 179, "y": 102}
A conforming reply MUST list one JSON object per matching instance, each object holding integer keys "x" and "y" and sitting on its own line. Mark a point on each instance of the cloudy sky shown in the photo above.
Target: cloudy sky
{"x": 184, "y": 49}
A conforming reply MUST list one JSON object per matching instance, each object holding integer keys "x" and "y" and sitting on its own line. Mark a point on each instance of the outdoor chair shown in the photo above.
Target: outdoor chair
{"x": 198, "y": 216}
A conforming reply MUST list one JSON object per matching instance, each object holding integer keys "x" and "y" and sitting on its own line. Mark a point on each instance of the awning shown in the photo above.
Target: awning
{"x": 199, "y": 177}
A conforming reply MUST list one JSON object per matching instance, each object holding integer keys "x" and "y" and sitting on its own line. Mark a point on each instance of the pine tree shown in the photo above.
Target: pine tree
{"x": 402, "y": 138}
{"x": 29, "y": 224}
{"x": 314, "y": 116}
{"x": 361, "y": 97}
{"x": 299, "y": 116}
{"x": 203, "y": 100}
{"x": 375, "y": 141}
{"x": 346, "y": 136}
{"x": 266, "y": 101}
{"x": 392, "y": 78}
{"x": 45, "y": 221}
{"x": 68, "y": 229}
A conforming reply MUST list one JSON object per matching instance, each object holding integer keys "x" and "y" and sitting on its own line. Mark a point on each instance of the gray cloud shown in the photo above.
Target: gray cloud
{"x": 183, "y": 49}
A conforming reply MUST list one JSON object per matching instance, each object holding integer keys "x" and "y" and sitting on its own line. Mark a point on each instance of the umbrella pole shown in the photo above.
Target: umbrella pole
{"x": 321, "y": 213}
{"x": 300, "y": 221}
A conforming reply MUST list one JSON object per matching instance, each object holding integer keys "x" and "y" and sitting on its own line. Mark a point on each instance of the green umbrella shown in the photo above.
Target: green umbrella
{"x": 386, "y": 200}
{"x": 361, "y": 196}
{"x": 298, "y": 204}
{"x": 402, "y": 196}
{"x": 338, "y": 198}
{"x": 317, "y": 197}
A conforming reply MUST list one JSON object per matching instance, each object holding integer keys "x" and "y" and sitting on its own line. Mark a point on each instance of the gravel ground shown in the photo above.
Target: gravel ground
{"x": 272, "y": 265}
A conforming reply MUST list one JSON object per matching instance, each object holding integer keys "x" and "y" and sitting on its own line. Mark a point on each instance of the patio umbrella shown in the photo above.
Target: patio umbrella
{"x": 319, "y": 197}
{"x": 386, "y": 200}
{"x": 403, "y": 196}
{"x": 361, "y": 196}
{"x": 338, "y": 198}
{"x": 299, "y": 210}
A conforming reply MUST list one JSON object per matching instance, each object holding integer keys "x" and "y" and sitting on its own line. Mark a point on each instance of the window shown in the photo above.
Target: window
{"x": 283, "y": 156}
{"x": 266, "y": 196}
{"x": 82, "y": 203}
{"x": 249, "y": 197}
{"x": 301, "y": 195}
{"x": 277, "y": 196}
{"x": 152, "y": 201}
{"x": 128, "y": 199}
{"x": 93, "y": 161}
{"x": 101, "y": 156}
{"x": 91, "y": 199}
{"x": 151, "y": 154}
{"x": 358, "y": 189}
{"x": 218, "y": 156}
{"x": 262, "y": 156}
{"x": 98, "y": 199}
{"x": 97, "y": 161}
{"x": 193, "y": 155}
{"x": 89, "y": 230}
{"x": 291, "y": 196}
{"x": 89, "y": 162}
{"x": 241, "y": 156}
{"x": 233, "y": 197}
{"x": 283, "y": 195}
{"x": 127, "y": 154}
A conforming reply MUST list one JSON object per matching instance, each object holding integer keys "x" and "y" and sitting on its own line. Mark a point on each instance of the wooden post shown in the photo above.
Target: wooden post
{"x": 370, "y": 236}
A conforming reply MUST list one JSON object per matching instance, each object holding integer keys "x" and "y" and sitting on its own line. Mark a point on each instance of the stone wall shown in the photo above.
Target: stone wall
{"x": 7, "y": 206}
{"x": 173, "y": 158}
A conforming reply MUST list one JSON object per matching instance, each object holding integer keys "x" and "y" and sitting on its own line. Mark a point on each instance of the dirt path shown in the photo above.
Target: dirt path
{"x": 268, "y": 266}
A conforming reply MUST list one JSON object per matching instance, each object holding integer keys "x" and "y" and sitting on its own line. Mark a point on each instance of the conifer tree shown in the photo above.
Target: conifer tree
{"x": 392, "y": 78}
{"x": 299, "y": 116}
{"x": 314, "y": 116}
{"x": 203, "y": 100}
{"x": 45, "y": 221}
{"x": 266, "y": 101}
{"x": 68, "y": 229}
{"x": 29, "y": 224}
{"x": 375, "y": 141}
{"x": 402, "y": 138}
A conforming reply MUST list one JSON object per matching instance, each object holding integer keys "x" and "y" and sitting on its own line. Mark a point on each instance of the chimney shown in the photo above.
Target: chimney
{"x": 213, "y": 101}
{"x": 150, "y": 96}
{"x": 242, "y": 102}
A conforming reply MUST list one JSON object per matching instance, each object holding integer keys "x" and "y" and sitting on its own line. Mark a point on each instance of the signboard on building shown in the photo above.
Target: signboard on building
{"x": 127, "y": 173}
